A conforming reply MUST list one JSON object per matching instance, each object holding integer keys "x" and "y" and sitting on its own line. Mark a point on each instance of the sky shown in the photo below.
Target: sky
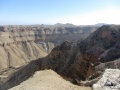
{"x": 77, "y": 12}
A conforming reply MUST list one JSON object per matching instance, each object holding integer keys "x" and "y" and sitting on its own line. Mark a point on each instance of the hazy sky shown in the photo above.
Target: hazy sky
{"x": 78, "y": 12}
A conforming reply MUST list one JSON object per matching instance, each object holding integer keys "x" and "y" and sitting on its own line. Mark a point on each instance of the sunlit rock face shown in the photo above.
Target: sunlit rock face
{"x": 81, "y": 60}
{"x": 110, "y": 80}
{"x": 19, "y": 44}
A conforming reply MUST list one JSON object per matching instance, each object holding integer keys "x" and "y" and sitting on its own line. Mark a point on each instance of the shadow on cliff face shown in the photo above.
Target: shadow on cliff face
{"x": 22, "y": 74}
{"x": 102, "y": 45}
{"x": 67, "y": 61}
{"x": 75, "y": 61}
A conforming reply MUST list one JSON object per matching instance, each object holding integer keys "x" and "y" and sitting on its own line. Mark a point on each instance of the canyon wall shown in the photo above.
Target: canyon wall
{"x": 18, "y": 48}
{"x": 86, "y": 59}
{"x": 19, "y": 44}
{"x": 82, "y": 62}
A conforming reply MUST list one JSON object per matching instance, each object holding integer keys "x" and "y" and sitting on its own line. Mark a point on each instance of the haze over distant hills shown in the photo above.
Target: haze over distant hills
{"x": 29, "y": 42}
{"x": 77, "y": 41}
{"x": 79, "y": 54}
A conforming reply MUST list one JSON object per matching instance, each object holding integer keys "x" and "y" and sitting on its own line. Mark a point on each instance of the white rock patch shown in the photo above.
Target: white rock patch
{"x": 109, "y": 81}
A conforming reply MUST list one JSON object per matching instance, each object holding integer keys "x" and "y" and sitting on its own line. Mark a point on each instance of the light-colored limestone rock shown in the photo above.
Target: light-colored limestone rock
{"x": 47, "y": 80}
{"x": 109, "y": 81}
{"x": 20, "y": 44}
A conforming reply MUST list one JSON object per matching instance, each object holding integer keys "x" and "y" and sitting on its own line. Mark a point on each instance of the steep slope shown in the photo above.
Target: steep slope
{"x": 102, "y": 45}
{"x": 19, "y": 75}
{"x": 47, "y": 80}
{"x": 19, "y": 44}
{"x": 18, "y": 54}
{"x": 64, "y": 59}
{"x": 67, "y": 61}
{"x": 18, "y": 48}
{"x": 77, "y": 62}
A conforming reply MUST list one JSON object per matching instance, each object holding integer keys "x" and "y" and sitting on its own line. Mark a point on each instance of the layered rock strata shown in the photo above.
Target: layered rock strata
{"x": 79, "y": 61}
{"x": 19, "y": 44}
{"x": 102, "y": 45}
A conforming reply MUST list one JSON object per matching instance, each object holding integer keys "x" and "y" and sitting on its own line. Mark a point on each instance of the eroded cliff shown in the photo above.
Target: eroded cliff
{"x": 79, "y": 61}
{"x": 83, "y": 60}
{"x": 102, "y": 45}
{"x": 19, "y": 44}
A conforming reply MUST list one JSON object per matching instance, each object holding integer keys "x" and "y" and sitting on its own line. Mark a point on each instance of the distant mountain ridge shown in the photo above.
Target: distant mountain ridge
{"x": 25, "y": 42}
{"x": 102, "y": 44}
{"x": 64, "y": 25}
{"x": 82, "y": 62}
{"x": 77, "y": 61}
{"x": 101, "y": 24}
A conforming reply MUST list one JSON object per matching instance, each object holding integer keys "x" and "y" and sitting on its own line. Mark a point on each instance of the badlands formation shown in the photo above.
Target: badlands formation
{"x": 82, "y": 61}
{"x": 21, "y": 44}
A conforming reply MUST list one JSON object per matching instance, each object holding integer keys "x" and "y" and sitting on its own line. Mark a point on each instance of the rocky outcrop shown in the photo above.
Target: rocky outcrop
{"x": 19, "y": 44}
{"x": 47, "y": 32}
{"x": 102, "y": 45}
{"x": 110, "y": 80}
{"x": 79, "y": 61}
{"x": 67, "y": 61}
{"x": 20, "y": 75}
{"x": 16, "y": 55}
{"x": 84, "y": 60}
{"x": 111, "y": 64}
